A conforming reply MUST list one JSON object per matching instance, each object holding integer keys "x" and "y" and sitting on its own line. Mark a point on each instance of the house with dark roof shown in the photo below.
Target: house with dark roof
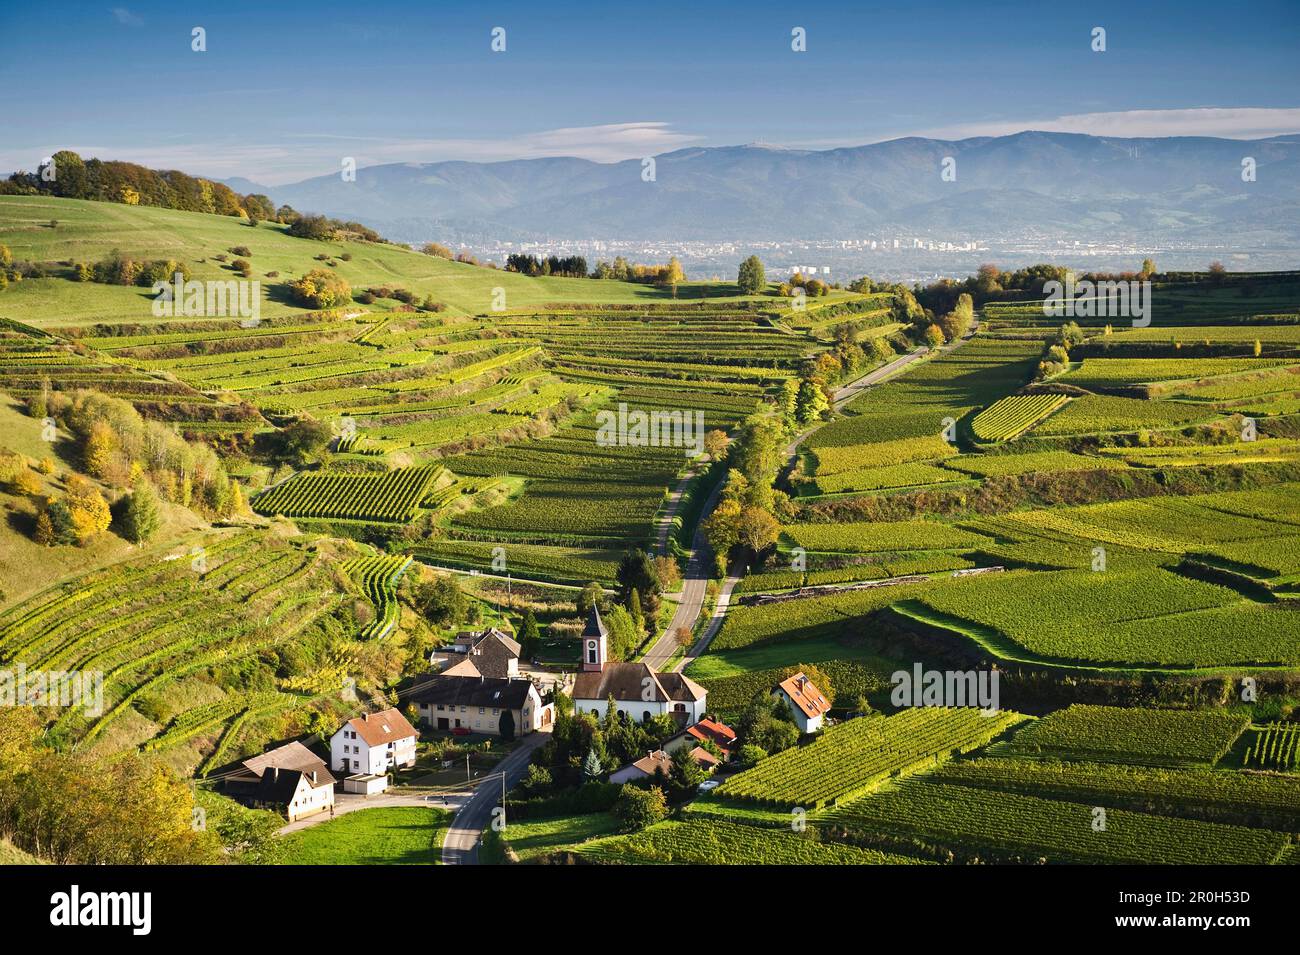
{"x": 490, "y": 653}
{"x": 290, "y": 779}
{"x": 480, "y": 704}
{"x": 640, "y": 693}
{"x": 807, "y": 704}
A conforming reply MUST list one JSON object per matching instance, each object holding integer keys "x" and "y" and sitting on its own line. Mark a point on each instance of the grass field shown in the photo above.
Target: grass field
{"x": 391, "y": 835}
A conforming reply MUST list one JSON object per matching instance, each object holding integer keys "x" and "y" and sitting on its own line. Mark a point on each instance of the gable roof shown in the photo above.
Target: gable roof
{"x": 627, "y": 681}
{"x": 720, "y": 733}
{"x": 464, "y": 667}
{"x": 279, "y": 786}
{"x": 383, "y": 727}
{"x": 500, "y": 636}
{"x": 804, "y": 694}
{"x": 474, "y": 691}
{"x": 493, "y": 653}
{"x": 704, "y": 757}
{"x": 292, "y": 756}
{"x": 651, "y": 762}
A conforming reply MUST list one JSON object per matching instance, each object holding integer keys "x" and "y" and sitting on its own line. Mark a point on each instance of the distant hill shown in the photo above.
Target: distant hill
{"x": 1088, "y": 187}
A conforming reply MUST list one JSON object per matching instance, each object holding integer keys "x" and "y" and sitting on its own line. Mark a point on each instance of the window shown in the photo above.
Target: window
{"x": 481, "y": 711}
{"x": 496, "y": 711}
{"x": 645, "y": 717}
{"x": 591, "y": 651}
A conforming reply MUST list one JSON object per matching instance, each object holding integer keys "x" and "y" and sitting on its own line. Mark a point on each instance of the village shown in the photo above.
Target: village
{"x": 480, "y": 692}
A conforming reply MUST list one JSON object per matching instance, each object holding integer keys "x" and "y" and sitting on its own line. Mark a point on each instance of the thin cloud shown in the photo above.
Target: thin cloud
{"x": 125, "y": 17}
{"x": 1227, "y": 123}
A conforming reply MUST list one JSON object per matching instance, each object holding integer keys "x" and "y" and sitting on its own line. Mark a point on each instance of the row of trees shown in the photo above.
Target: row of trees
{"x": 572, "y": 266}
{"x": 68, "y": 176}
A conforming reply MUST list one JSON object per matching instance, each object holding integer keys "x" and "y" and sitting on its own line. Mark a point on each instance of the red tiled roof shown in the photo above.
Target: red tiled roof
{"x": 720, "y": 733}
{"x": 805, "y": 695}
{"x": 386, "y": 726}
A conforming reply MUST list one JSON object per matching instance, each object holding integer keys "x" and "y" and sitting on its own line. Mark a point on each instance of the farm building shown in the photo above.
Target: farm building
{"x": 290, "y": 779}
{"x": 808, "y": 704}
{"x": 639, "y": 692}
{"x": 373, "y": 743}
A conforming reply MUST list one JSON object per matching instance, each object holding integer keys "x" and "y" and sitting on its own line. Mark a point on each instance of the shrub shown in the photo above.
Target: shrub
{"x": 637, "y": 809}
{"x": 320, "y": 289}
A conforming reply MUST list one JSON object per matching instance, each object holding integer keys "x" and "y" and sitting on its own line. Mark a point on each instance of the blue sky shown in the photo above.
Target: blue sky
{"x": 287, "y": 89}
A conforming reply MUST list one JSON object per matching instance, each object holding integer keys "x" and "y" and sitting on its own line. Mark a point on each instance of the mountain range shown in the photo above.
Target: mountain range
{"x": 1025, "y": 184}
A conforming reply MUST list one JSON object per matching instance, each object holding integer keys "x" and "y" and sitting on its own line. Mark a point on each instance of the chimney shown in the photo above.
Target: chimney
{"x": 365, "y": 717}
{"x": 313, "y": 777}
{"x": 275, "y": 773}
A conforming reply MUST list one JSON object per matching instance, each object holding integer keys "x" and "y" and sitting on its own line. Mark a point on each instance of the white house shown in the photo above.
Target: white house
{"x": 640, "y": 693}
{"x": 373, "y": 743}
{"x": 807, "y": 704}
{"x": 289, "y": 779}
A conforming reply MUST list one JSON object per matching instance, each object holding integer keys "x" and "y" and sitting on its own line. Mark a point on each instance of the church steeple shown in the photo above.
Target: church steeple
{"x": 595, "y": 642}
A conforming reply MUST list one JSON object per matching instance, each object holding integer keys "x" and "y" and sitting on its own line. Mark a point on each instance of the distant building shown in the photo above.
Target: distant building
{"x": 640, "y": 693}
{"x": 373, "y": 743}
{"x": 808, "y": 704}
{"x": 290, "y": 780}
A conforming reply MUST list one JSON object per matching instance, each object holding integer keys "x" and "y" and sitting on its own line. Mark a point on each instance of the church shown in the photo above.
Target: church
{"x": 640, "y": 693}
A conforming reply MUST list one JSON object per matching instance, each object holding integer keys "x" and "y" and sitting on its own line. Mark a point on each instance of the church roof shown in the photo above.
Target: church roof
{"x": 595, "y": 626}
{"x": 628, "y": 681}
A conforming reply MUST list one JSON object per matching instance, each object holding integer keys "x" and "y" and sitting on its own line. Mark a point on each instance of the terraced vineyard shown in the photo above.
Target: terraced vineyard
{"x": 377, "y": 578}
{"x": 851, "y": 759}
{"x": 1013, "y": 415}
{"x": 1142, "y": 737}
{"x": 394, "y": 496}
{"x": 1028, "y": 829}
{"x": 152, "y": 625}
{"x": 720, "y": 843}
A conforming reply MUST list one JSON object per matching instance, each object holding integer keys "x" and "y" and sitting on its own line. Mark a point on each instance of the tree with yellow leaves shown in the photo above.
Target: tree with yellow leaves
{"x": 97, "y": 454}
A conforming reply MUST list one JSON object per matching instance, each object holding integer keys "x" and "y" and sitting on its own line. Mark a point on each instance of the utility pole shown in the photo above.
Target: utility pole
{"x": 467, "y": 779}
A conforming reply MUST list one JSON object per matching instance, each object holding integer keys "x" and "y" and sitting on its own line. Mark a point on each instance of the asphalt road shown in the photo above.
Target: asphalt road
{"x": 460, "y": 847}
{"x": 695, "y": 583}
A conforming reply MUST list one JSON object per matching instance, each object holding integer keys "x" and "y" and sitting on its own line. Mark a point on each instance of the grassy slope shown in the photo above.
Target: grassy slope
{"x": 12, "y": 855}
{"x": 87, "y": 231}
{"x": 395, "y": 835}
{"x": 25, "y": 566}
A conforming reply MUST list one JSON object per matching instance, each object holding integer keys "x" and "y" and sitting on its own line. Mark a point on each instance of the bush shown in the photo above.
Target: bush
{"x": 637, "y": 809}
{"x": 240, "y": 250}
{"x": 320, "y": 289}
